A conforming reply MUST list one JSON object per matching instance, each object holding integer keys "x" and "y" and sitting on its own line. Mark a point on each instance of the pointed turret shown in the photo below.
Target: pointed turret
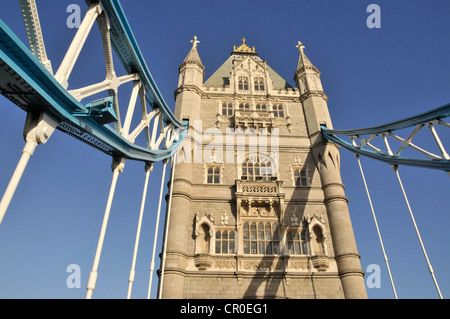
{"x": 326, "y": 155}
{"x": 312, "y": 96}
{"x": 192, "y": 69}
{"x": 190, "y": 83}
{"x": 303, "y": 61}
{"x": 307, "y": 76}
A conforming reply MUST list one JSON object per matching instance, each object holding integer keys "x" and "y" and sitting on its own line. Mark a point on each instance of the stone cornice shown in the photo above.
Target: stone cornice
{"x": 311, "y": 93}
{"x": 188, "y": 87}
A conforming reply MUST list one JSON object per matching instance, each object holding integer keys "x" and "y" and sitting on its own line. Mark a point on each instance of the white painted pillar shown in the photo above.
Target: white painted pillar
{"x": 38, "y": 129}
{"x": 148, "y": 169}
{"x": 17, "y": 175}
{"x": 117, "y": 167}
{"x": 152, "y": 264}
{"x": 64, "y": 70}
{"x": 163, "y": 264}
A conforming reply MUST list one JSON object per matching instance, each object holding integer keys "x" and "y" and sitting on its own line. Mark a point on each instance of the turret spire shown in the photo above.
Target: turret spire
{"x": 303, "y": 61}
{"x": 193, "y": 57}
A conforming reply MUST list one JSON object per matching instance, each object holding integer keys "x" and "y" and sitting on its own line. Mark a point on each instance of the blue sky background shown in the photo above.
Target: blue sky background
{"x": 371, "y": 76}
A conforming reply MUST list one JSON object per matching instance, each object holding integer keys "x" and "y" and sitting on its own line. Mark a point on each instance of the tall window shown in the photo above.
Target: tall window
{"x": 227, "y": 109}
{"x": 213, "y": 175}
{"x": 225, "y": 242}
{"x": 296, "y": 243}
{"x": 278, "y": 110}
{"x": 259, "y": 84}
{"x": 301, "y": 177}
{"x": 254, "y": 169}
{"x": 261, "y": 238}
{"x": 243, "y": 83}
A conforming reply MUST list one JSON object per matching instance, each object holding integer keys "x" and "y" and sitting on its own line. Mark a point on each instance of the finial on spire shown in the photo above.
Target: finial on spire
{"x": 300, "y": 47}
{"x": 303, "y": 61}
{"x": 195, "y": 42}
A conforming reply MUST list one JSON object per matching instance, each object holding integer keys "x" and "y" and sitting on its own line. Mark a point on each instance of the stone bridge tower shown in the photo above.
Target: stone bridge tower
{"x": 258, "y": 206}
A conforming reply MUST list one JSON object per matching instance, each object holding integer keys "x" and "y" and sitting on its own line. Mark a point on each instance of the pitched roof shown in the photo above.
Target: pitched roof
{"x": 221, "y": 77}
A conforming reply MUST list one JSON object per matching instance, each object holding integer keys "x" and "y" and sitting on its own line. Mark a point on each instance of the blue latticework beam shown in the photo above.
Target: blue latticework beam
{"x": 358, "y": 144}
{"x": 27, "y": 83}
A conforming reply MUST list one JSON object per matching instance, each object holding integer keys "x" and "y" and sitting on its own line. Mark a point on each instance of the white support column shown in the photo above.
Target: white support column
{"x": 63, "y": 73}
{"x": 105, "y": 85}
{"x": 131, "y": 107}
{"x": 395, "y": 168}
{"x": 34, "y": 32}
{"x": 148, "y": 169}
{"x": 104, "y": 26}
{"x": 156, "y": 122}
{"x": 430, "y": 268}
{"x": 163, "y": 264}
{"x": 38, "y": 129}
{"x": 376, "y": 224}
{"x": 15, "y": 179}
{"x": 438, "y": 141}
{"x": 152, "y": 264}
{"x": 117, "y": 167}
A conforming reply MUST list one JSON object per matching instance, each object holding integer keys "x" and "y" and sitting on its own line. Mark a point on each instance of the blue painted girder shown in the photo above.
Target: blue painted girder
{"x": 28, "y": 84}
{"x": 127, "y": 49}
{"x": 438, "y": 113}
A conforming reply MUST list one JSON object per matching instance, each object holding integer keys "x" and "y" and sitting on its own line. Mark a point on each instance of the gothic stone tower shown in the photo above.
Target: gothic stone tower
{"x": 258, "y": 206}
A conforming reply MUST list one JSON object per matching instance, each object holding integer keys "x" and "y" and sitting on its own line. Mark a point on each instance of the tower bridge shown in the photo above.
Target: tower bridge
{"x": 252, "y": 224}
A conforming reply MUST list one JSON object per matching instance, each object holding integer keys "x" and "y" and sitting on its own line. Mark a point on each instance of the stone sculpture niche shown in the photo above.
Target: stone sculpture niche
{"x": 204, "y": 230}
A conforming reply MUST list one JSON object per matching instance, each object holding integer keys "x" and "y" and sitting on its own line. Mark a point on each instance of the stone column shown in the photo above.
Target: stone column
{"x": 344, "y": 244}
{"x": 178, "y": 235}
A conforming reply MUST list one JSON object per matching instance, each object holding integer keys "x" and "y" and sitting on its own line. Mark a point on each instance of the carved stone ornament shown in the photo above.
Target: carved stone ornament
{"x": 204, "y": 219}
{"x": 203, "y": 261}
{"x": 258, "y": 210}
{"x": 204, "y": 230}
{"x": 320, "y": 262}
{"x": 319, "y": 251}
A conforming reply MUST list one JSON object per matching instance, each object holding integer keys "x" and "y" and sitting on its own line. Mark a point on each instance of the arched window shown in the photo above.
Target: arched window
{"x": 261, "y": 107}
{"x": 225, "y": 242}
{"x": 301, "y": 177}
{"x": 244, "y": 106}
{"x": 296, "y": 243}
{"x": 259, "y": 84}
{"x": 255, "y": 169}
{"x": 243, "y": 83}
{"x": 261, "y": 238}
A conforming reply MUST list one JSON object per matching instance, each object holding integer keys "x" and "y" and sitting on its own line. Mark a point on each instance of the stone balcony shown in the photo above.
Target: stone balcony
{"x": 253, "y": 119}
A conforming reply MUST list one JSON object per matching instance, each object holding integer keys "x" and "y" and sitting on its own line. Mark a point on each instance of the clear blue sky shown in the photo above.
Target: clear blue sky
{"x": 371, "y": 76}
